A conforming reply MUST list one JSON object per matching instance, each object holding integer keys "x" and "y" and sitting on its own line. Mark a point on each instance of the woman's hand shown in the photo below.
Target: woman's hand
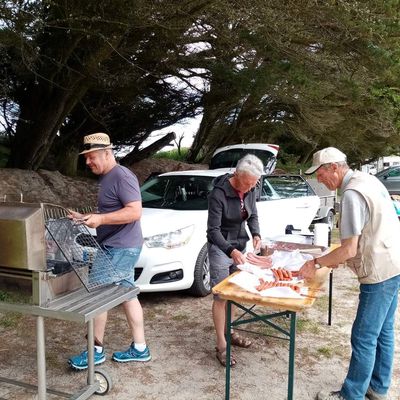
{"x": 260, "y": 261}
{"x": 237, "y": 257}
{"x": 256, "y": 243}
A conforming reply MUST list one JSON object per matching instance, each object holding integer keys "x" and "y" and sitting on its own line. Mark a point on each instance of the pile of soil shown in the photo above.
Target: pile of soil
{"x": 52, "y": 187}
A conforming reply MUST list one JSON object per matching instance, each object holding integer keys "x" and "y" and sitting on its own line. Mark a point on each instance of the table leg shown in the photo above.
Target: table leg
{"x": 330, "y": 298}
{"x": 90, "y": 345}
{"x": 41, "y": 358}
{"x": 292, "y": 346}
{"x": 228, "y": 349}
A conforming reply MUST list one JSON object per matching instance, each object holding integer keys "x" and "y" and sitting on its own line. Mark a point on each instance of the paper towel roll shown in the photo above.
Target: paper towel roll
{"x": 321, "y": 235}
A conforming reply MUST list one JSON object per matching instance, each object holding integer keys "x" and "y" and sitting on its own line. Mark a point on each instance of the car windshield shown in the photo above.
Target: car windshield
{"x": 177, "y": 192}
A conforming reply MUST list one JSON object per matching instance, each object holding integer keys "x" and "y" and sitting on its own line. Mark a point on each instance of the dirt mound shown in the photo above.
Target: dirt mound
{"x": 53, "y": 187}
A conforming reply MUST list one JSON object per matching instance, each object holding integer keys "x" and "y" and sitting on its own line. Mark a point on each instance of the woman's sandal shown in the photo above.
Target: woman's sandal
{"x": 240, "y": 341}
{"x": 221, "y": 356}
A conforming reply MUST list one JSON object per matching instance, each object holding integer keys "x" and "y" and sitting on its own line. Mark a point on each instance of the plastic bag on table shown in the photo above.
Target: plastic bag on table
{"x": 290, "y": 260}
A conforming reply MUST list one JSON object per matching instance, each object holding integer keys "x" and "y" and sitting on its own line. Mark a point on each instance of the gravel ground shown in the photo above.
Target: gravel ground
{"x": 179, "y": 333}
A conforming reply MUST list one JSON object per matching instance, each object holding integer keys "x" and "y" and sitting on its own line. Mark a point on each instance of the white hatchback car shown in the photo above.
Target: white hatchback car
{"x": 174, "y": 223}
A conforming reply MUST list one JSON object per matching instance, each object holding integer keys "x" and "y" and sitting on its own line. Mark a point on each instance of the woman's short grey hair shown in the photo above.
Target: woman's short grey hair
{"x": 250, "y": 164}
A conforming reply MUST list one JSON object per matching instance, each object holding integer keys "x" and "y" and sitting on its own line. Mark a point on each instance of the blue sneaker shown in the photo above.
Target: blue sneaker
{"x": 132, "y": 355}
{"x": 81, "y": 360}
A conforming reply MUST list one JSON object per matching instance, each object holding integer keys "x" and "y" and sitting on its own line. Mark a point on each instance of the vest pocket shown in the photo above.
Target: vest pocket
{"x": 357, "y": 265}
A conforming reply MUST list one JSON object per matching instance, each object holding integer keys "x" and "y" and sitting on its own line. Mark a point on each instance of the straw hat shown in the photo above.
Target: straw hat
{"x": 96, "y": 141}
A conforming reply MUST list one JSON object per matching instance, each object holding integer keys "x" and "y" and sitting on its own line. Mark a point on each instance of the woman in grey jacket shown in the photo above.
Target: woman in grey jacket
{"x": 231, "y": 204}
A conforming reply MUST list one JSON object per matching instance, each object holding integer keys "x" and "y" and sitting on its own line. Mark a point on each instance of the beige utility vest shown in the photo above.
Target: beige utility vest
{"x": 378, "y": 254}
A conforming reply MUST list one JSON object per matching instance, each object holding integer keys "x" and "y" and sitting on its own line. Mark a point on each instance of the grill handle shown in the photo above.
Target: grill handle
{"x": 5, "y": 197}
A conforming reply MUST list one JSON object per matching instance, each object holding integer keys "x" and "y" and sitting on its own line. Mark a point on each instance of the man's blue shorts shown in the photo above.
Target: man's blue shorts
{"x": 123, "y": 261}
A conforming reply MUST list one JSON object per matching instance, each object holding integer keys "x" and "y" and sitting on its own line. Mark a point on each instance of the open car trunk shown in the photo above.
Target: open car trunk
{"x": 228, "y": 156}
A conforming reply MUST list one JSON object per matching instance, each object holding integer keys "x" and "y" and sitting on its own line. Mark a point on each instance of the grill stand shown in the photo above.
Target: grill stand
{"x": 78, "y": 306}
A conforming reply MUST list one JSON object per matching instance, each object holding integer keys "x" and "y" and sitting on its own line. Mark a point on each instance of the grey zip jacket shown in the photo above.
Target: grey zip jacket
{"x": 225, "y": 226}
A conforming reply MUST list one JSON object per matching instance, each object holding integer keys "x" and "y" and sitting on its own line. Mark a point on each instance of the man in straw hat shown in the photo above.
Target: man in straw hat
{"x": 369, "y": 231}
{"x": 120, "y": 236}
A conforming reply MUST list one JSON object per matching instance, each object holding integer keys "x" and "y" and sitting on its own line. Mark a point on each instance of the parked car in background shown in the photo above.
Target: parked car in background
{"x": 328, "y": 203}
{"x": 174, "y": 223}
{"x": 390, "y": 177}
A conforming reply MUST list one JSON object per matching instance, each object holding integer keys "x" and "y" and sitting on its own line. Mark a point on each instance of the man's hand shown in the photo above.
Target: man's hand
{"x": 93, "y": 220}
{"x": 238, "y": 257}
{"x": 90, "y": 220}
{"x": 308, "y": 270}
{"x": 75, "y": 216}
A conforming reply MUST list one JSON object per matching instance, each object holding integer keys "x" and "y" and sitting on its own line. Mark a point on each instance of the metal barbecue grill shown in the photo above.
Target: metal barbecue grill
{"x": 71, "y": 244}
{"x": 71, "y": 279}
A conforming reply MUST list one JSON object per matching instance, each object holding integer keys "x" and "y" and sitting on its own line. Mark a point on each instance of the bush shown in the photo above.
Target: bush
{"x": 4, "y": 155}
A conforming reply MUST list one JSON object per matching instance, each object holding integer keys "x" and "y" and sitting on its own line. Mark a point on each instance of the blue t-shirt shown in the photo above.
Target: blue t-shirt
{"x": 118, "y": 188}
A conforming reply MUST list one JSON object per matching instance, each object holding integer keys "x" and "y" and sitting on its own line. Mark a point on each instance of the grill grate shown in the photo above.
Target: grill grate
{"x": 72, "y": 244}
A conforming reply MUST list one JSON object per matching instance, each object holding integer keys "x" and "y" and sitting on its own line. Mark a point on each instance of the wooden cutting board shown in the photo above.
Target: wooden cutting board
{"x": 229, "y": 291}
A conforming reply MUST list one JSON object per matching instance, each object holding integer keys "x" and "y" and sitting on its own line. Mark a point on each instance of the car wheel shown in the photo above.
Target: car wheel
{"x": 329, "y": 219}
{"x": 201, "y": 284}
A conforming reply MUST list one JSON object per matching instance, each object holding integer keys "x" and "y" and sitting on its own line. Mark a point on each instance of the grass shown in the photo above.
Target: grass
{"x": 333, "y": 351}
{"x": 180, "y": 317}
{"x": 303, "y": 326}
{"x": 327, "y": 352}
{"x": 173, "y": 154}
{"x": 322, "y": 303}
{"x": 353, "y": 289}
{"x": 267, "y": 330}
{"x": 4, "y": 296}
{"x": 308, "y": 326}
{"x": 14, "y": 296}
{"x": 11, "y": 319}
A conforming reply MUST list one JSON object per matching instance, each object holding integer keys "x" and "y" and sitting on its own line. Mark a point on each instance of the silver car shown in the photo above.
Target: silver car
{"x": 390, "y": 177}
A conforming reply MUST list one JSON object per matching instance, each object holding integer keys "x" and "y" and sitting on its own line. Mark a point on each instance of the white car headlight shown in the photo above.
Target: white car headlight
{"x": 170, "y": 240}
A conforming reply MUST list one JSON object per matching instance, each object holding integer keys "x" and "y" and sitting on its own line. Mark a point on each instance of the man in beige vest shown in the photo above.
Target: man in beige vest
{"x": 369, "y": 232}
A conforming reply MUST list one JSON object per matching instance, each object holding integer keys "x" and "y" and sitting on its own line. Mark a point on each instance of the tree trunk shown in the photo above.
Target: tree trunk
{"x": 68, "y": 163}
{"x": 138, "y": 155}
{"x": 42, "y": 113}
{"x": 210, "y": 116}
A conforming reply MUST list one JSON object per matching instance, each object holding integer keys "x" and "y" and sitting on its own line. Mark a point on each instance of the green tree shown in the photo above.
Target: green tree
{"x": 305, "y": 77}
{"x": 86, "y": 64}
{"x": 300, "y": 73}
